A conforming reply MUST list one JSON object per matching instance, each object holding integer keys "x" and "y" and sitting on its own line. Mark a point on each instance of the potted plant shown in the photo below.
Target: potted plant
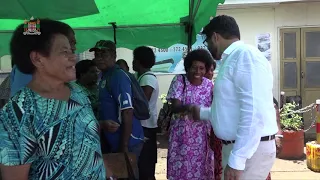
{"x": 293, "y": 134}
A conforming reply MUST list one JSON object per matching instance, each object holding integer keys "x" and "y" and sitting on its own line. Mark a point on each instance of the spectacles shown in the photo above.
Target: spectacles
{"x": 205, "y": 42}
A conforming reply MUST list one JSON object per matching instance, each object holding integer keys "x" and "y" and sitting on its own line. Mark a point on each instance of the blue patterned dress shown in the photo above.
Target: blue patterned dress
{"x": 59, "y": 138}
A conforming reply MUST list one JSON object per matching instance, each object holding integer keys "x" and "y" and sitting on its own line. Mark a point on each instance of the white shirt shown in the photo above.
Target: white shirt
{"x": 149, "y": 79}
{"x": 242, "y": 107}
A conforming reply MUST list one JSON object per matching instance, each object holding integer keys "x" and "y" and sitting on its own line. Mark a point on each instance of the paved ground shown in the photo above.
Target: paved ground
{"x": 282, "y": 169}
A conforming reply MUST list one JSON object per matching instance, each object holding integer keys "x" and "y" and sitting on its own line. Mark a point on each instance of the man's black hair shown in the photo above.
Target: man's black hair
{"x": 83, "y": 67}
{"x": 224, "y": 25}
{"x": 22, "y": 45}
{"x": 145, "y": 56}
{"x": 201, "y": 55}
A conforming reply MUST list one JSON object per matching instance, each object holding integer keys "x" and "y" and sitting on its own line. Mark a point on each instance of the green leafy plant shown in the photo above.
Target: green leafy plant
{"x": 163, "y": 98}
{"x": 290, "y": 121}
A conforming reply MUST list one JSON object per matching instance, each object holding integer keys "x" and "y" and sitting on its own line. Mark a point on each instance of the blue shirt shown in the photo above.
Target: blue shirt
{"x": 18, "y": 80}
{"x": 115, "y": 95}
{"x": 59, "y": 139}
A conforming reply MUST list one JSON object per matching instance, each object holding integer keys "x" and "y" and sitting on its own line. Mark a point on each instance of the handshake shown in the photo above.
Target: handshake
{"x": 192, "y": 111}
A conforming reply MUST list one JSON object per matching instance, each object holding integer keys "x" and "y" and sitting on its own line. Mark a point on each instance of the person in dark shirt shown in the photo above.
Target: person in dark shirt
{"x": 87, "y": 77}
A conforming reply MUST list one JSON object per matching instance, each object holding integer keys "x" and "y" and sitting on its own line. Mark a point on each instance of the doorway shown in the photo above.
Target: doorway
{"x": 300, "y": 66}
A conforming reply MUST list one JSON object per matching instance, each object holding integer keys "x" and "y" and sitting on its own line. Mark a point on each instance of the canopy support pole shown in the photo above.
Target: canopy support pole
{"x": 190, "y": 24}
{"x": 114, "y": 26}
{"x": 118, "y": 27}
{"x": 131, "y": 26}
{"x": 192, "y": 16}
{"x": 196, "y": 10}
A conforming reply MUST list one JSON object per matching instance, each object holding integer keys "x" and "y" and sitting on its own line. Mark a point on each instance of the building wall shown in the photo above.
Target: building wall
{"x": 297, "y": 15}
{"x": 270, "y": 19}
{"x": 254, "y": 21}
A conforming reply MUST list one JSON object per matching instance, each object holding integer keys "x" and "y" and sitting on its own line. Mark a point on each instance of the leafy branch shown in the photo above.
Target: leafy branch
{"x": 163, "y": 98}
{"x": 290, "y": 121}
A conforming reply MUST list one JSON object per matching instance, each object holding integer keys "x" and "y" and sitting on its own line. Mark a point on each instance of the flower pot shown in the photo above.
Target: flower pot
{"x": 292, "y": 145}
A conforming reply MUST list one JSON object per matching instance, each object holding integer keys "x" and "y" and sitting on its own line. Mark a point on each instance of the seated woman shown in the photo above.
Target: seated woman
{"x": 48, "y": 129}
{"x": 189, "y": 153}
{"x": 87, "y": 77}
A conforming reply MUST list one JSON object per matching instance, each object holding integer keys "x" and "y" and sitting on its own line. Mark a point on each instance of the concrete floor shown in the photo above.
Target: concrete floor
{"x": 282, "y": 169}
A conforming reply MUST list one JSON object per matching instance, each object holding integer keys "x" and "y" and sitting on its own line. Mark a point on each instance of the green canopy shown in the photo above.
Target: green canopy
{"x": 158, "y": 23}
{"x": 55, "y": 9}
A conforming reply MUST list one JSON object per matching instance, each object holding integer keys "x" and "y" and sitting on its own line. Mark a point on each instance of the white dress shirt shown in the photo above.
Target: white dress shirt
{"x": 242, "y": 107}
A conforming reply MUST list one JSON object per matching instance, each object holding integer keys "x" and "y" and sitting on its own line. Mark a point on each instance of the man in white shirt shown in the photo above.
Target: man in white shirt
{"x": 143, "y": 60}
{"x": 242, "y": 112}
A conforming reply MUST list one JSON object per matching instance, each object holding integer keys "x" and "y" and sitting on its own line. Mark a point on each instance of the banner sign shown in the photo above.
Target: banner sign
{"x": 170, "y": 60}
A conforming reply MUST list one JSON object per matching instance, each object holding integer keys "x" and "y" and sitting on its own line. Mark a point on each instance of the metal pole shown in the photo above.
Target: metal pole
{"x": 118, "y": 27}
{"x": 318, "y": 120}
{"x": 196, "y": 10}
{"x": 192, "y": 15}
{"x": 6, "y": 31}
{"x": 131, "y": 26}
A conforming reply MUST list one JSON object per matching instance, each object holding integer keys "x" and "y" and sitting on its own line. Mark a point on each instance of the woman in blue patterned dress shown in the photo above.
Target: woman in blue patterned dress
{"x": 48, "y": 129}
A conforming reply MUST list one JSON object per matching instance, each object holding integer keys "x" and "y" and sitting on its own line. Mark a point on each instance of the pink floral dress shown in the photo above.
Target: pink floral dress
{"x": 189, "y": 153}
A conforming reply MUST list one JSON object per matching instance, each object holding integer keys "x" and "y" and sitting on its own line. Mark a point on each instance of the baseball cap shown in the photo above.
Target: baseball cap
{"x": 104, "y": 44}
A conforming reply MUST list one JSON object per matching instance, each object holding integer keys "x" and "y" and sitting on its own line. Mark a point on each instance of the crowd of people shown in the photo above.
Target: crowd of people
{"x": 63, "y": 116}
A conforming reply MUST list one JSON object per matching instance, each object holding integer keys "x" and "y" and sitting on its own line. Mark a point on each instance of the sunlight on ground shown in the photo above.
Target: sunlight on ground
{"x": 282, "y": 169}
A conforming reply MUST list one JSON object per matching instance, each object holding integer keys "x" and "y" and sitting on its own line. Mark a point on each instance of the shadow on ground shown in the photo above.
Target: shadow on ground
{"x": 162, "y": 141}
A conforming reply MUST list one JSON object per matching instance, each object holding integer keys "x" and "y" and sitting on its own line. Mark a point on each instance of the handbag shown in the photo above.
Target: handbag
{"x": 165, "y": 114}
{"x": 122, "y": 165}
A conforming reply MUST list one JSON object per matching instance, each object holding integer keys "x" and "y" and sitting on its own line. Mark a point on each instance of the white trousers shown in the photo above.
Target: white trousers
{"x": 259, "y": 165}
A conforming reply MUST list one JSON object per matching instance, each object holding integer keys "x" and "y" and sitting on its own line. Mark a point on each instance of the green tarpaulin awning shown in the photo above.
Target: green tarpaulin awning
{"x": 55, "y": 9}
{"x": 140, "y": 22}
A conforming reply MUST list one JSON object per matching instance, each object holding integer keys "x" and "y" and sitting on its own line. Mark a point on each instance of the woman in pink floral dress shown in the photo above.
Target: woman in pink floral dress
{"x": 189, "y": 153}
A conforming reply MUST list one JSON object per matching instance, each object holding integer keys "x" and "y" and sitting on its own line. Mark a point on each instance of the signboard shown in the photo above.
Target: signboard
{"x": 170, "y": 60}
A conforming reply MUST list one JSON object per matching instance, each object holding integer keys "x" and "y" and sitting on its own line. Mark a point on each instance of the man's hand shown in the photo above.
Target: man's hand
{"x": 232, "y": 174}
{"x": 278, "y": 145}
{"x": 123, "y": 149}
{"x": 279, "y": 142}
{"x": 109, "y": 126}
{"x": 193, "y": 111}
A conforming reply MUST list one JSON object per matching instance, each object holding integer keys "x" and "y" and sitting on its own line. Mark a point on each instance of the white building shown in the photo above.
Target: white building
{"x": 294, "y": 27}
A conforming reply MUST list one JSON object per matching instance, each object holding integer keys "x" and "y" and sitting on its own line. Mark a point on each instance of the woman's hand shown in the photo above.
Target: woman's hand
{"x": 109, "y": 125}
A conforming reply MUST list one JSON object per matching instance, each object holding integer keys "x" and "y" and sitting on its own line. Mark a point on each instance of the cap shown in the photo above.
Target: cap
{"x": 104, "y": 44}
